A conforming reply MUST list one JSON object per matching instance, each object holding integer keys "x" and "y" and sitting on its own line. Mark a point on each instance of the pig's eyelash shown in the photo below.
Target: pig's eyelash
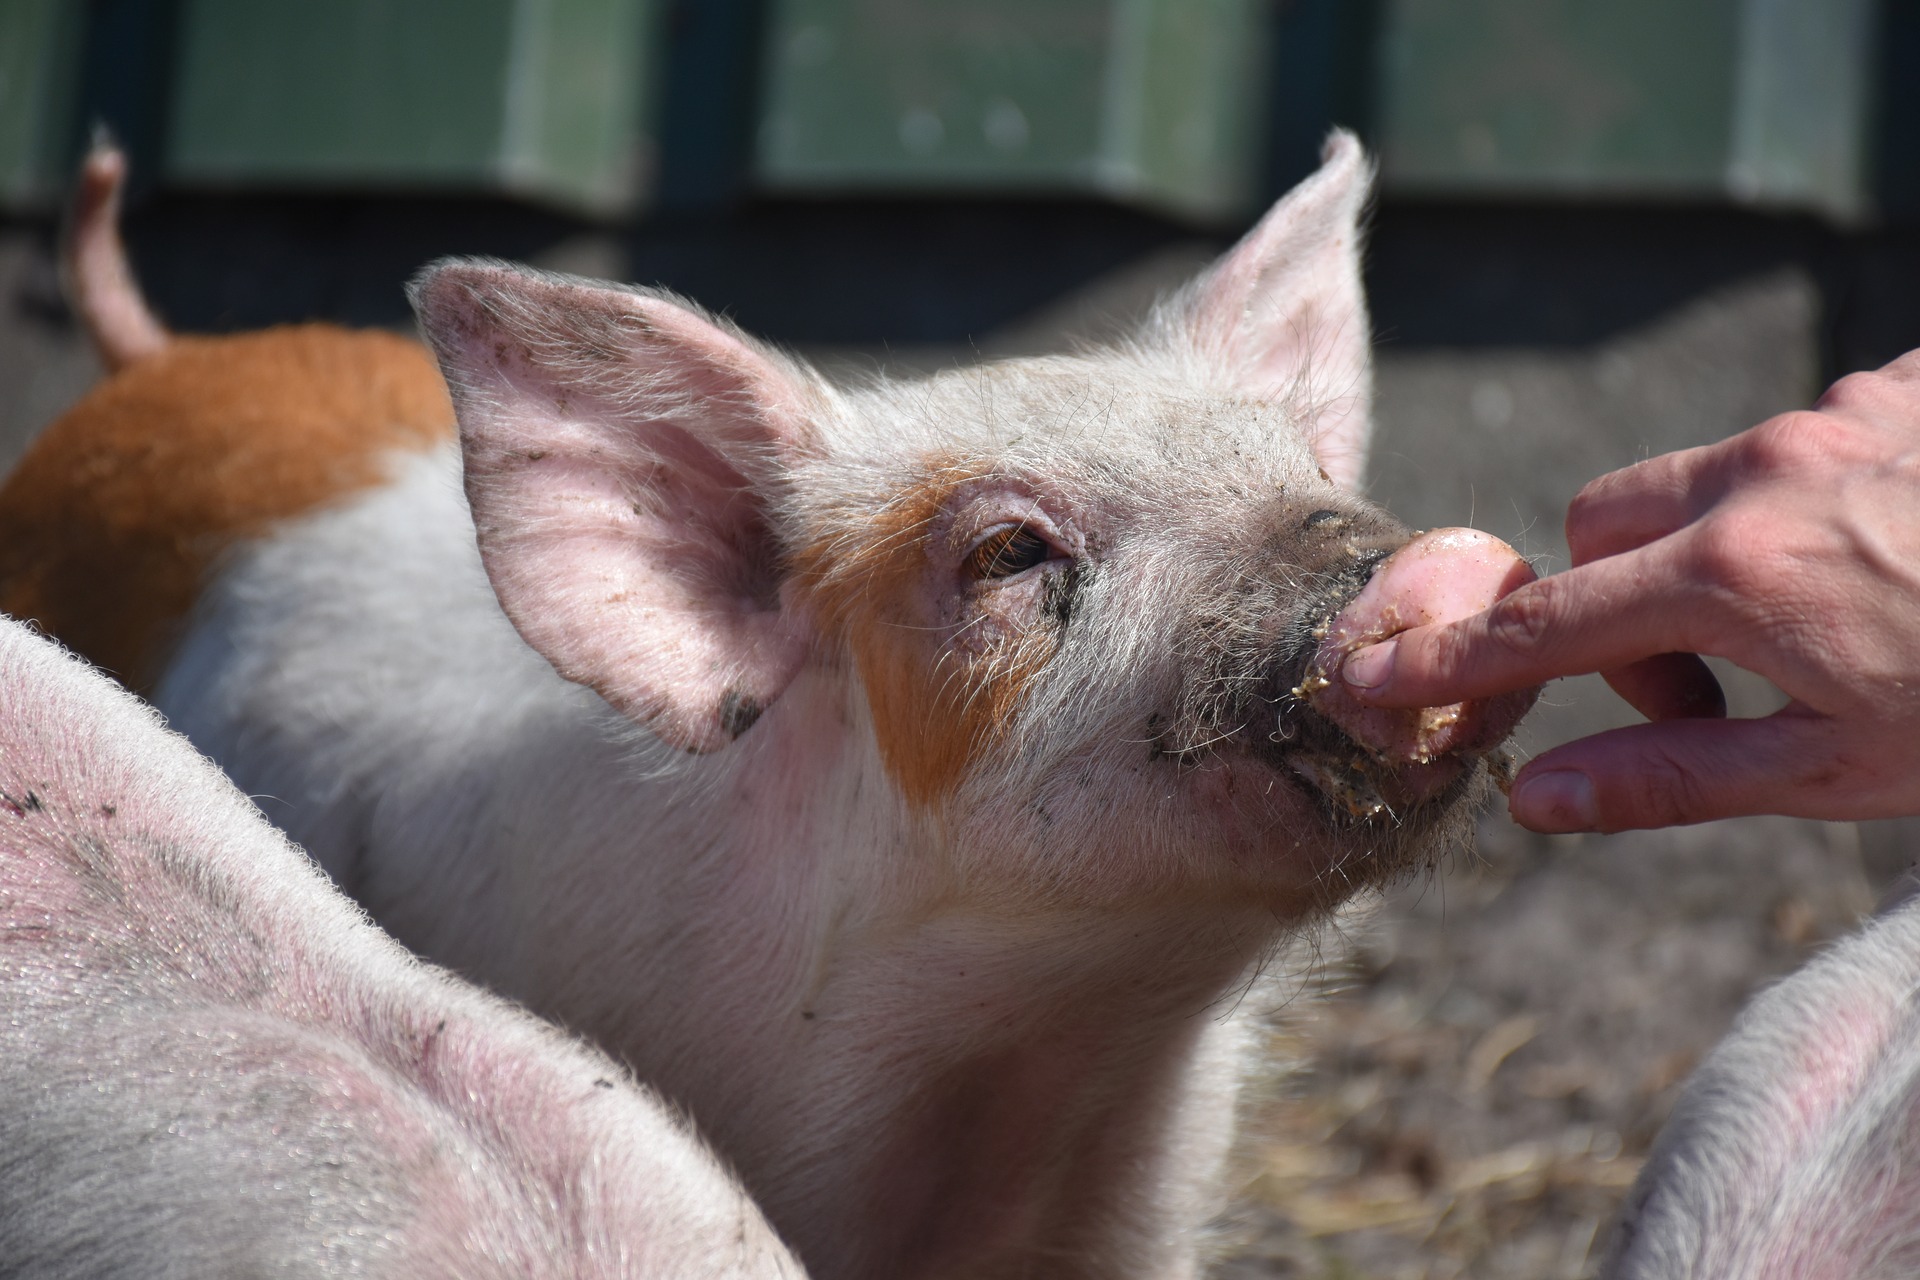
{"x": 1009, "y": 550}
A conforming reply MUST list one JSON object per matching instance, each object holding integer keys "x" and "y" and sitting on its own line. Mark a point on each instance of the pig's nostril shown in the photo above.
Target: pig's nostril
{"x": 1319, "y": 518}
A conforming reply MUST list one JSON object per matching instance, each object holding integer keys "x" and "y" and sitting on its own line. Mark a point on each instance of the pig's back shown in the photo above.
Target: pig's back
{"x": 213, "y": 1066}
{"x": 355, "y": 675}
{"x": 114, "y": 520}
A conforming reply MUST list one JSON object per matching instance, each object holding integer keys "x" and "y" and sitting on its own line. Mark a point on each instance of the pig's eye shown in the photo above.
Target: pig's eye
{"x": 1007, "y": 551}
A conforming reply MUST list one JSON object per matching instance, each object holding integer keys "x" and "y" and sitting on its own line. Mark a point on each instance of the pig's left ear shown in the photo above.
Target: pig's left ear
{"x": 625, "y": 457}
{"x": 1283, "y": 315}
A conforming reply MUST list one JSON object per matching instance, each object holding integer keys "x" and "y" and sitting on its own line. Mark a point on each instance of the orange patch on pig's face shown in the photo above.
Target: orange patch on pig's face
{"x": 941, "y": 691}
{"x": 113, "y": 519}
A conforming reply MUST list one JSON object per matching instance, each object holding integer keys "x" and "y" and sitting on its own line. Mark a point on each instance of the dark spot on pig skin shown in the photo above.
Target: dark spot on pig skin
{"x": 1159, "y": 748}
{"x": 603, "y": 1084}
{"x": 1156, "y": 729}
{"x": 807, "y": 1014}
{"x": 738, "y": 712}
{"x": 108, "y": 811}
{"x": 1058, "y": 595}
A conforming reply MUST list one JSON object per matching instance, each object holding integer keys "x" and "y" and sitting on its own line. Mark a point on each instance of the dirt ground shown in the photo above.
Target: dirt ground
{"x": 1500, "y": 1043}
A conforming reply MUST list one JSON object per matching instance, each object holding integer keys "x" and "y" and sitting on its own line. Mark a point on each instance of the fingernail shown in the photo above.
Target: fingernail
{"x": 1556, "y": 801}
{"x": 1369, "y": 668}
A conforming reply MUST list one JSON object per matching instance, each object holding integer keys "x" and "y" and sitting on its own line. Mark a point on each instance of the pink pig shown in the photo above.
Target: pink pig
{"x": 910, "y": 780}
{"x": 1794, "y": 1153}
{"x": 213, "y": 1064}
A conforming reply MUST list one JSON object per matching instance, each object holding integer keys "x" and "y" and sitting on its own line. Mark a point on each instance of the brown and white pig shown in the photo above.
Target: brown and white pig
{"x": 908, "y": 779}
{"x": 212, "y": 1064}
{"x": 1794, "y": 1152}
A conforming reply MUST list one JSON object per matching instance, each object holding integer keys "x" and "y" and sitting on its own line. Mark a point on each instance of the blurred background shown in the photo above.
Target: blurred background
{"x": 1604, "y": 230}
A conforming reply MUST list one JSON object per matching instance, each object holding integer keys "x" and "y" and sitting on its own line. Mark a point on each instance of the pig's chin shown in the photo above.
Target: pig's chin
{"x": 1402, "y": 771}
{"x": 1306, "y": 830}
{"x": 1403, "y": 775}
{"x": 1354, "y": 790}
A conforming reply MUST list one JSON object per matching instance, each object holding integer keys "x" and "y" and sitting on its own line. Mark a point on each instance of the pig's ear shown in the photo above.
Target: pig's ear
{"x": 1284, "y": 315}
{"x": 625, "y": 457}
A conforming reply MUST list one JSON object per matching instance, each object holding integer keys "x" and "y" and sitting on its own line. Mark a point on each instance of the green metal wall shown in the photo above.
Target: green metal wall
{"x": 1193, "y": 107}
{"x": 40, "y": 43}
{"x": 1757, "y": 101}
{"x": 535, "y": 97}
{"x": 1155, "y": 101}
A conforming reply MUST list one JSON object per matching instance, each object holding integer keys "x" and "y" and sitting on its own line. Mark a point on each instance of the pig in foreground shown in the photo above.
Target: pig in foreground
{"x": 909, "y": 780}
{"x": 212, "y": 1065}
{"x": 1794, "y": 1153}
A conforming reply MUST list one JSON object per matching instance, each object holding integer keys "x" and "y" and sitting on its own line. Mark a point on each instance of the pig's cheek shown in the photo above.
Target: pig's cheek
{"x": 1252, "y": 802}
{"x": 992, "y": 619}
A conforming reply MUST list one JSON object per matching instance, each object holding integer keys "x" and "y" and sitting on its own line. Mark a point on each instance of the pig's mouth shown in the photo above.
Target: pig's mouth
{"x": 1358, "y": 783}
{"x": 1366, "y": 764}
{"x": 1351, "y": 779}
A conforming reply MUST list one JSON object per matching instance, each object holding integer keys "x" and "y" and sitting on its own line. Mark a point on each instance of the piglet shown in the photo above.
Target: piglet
{"x": 212, "y": 1064}
{"x": 1794, "y": 1152}
{"x": 914, "y": 780}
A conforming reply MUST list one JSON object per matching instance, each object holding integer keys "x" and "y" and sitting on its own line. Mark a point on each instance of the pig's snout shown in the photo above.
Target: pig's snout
{"x": 1437, "y": 577}
{"x": 1383, "y": 760}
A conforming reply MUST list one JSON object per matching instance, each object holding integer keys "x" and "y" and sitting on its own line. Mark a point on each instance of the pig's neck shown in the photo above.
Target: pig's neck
{"x": 1047, "y": 1096}
{"x": 914, "y": 1078}
{"x": 938, "y": 1081}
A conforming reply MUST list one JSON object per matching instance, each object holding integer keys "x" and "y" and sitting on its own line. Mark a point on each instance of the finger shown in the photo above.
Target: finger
{"x": 1593, "y": 618}
{"x": 1680, "y": 772}
{"x": 1637, "y": 505}
{"x": 1670, "y": 686}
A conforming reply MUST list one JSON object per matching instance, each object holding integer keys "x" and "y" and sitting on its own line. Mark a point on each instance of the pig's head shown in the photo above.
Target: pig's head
{"x": 1082, "y": 606}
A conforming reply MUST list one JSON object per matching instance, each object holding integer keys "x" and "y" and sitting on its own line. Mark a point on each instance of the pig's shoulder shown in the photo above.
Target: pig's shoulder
{"x": 109, "y": 525}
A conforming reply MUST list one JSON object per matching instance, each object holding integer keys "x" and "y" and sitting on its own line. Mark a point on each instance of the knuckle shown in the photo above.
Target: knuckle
{"x": 1793, "y": 443}
{"x": 1522, "y": 623}
{"x": 1857, "y": 392}
{"x": 1664, "y": 792}
{"x": 1583, "y": 515}
{"x": 1905, "y": 369}
{"x": 1733, "y": 552}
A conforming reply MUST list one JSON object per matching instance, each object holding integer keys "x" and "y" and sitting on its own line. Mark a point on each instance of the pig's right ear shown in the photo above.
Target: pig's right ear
{"x": 1284, "y": 314}
{"x": 624, "y": 457}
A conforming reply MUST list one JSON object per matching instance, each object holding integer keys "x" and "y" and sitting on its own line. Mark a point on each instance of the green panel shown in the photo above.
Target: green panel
{"x": 1627, "y": 96}
{"x": 1764, "y": 101}
{"x": 1803, "y": 108}
{"x": 1151, "y": 100}
{"x": 537, "y": 97}
{"x": 39, "y": 75}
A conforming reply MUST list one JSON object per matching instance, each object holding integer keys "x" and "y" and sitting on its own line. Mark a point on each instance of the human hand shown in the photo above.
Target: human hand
{"x": 1793, "y": 550}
